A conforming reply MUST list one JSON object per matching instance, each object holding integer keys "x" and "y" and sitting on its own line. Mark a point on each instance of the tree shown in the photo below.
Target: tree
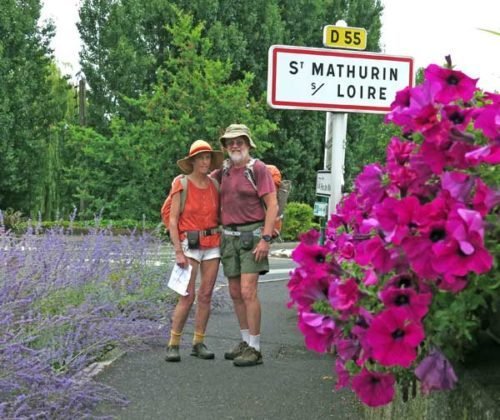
{"x": 24, "y": 91}
{"x": 125, "y": 47}
{"x": 127, "y": 174}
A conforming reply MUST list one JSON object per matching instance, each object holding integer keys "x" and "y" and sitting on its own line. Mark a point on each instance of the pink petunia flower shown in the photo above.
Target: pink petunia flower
{"x": 319, "y": 331}
{"x": 435, "y": 372}
{"x": 317, "y": 260}
{"x": 369, "y": 184}
{"x": 456, "y": 116}
{"x": 451, "y": 283}
{"x": 399, "y": 152}
{"x": 393, "y": 337}
{"x": 452, "y": 85}
{"x": 458, "y": 184}
{"x": 370, "y": 278}
{"x": 349, "y": 212}
{"x": 488, "y": 118}
{"x": 347, "y": 348}
{"x": 373, "y": 251}
{"x": 420, "y": 115}
{"x": 485, "y": 198}
{"x": 417, "y": 303}
{"x": 373, "y": 388}
{"x": 396, "y": 217}
{"x": 464, "y": 250}
{"x": 305, "y": 290}
{"x": 431, "y": 225}
{"x": 343, "y": 295}
{"x": 487, "y": 154}
{"x": 343, "y": 376}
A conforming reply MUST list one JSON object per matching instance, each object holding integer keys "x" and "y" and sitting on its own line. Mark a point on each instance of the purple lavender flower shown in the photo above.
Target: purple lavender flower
{"x": 64, "y": 302}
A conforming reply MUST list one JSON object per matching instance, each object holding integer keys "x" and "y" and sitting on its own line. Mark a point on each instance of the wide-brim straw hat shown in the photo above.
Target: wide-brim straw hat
{"x": 200, "y": 146}
{"x": 237, "y": 130}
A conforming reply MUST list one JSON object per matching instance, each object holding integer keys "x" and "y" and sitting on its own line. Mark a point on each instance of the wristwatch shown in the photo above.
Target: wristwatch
{"x": 267, "y": 238}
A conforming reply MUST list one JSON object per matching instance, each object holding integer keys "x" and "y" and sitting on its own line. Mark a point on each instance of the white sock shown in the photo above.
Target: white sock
{"x": 255, "y": 342}
{"x": 245, "y": 335}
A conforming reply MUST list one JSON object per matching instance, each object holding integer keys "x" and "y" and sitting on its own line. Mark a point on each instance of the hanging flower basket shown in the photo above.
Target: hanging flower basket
{"x": 406, "y": 275}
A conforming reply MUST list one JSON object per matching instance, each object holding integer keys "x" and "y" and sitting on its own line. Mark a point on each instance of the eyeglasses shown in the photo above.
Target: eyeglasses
{"x": 234, "y": 142}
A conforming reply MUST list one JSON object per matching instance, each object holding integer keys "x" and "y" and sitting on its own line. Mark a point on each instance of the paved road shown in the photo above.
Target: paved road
{"x": 293, "y": 383}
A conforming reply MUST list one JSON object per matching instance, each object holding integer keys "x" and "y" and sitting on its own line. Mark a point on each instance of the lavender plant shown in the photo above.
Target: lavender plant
{"x": 66, "y": 301}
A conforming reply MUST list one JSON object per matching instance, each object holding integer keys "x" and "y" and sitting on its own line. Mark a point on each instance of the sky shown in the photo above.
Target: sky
{"x": 426, "y": 30}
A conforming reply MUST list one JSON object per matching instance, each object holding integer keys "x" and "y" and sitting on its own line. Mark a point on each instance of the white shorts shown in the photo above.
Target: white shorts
{"x": 200, "y": 255}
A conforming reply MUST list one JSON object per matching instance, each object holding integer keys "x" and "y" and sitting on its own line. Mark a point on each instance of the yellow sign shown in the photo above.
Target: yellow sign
{"x": 344, "y": 37}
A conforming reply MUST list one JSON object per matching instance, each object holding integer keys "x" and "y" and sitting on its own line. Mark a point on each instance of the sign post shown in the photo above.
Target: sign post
{"x": 322, "y": 79}
{"x": 338, "y": 82}
{"x": 338, "y": 136}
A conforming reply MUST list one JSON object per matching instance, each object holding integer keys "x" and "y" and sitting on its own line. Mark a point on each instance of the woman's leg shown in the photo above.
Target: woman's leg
{"x": 208, "y": 275}
{"x": 183, "y": 306}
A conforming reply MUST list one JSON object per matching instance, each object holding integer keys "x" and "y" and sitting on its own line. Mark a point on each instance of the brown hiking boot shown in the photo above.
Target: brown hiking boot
{"x": 201, "y": 352}
{"x": 173, "y": 354}
{"x": 237, "y": 351}
{"x": 249, "y": 357}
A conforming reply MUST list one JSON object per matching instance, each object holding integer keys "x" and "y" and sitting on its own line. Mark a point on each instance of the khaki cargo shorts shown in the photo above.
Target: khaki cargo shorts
{"x": 235, "y": 258}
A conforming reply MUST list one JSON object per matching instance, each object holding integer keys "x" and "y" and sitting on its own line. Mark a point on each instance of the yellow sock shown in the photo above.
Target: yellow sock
{"x": 175, "y": 338}
{"x": 198, "y": 338}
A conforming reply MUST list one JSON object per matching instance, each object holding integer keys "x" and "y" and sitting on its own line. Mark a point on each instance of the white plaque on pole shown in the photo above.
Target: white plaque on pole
{"x": 324, "y": 183}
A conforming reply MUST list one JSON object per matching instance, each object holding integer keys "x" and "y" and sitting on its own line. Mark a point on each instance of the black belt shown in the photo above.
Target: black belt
{"x": 208, "y": 232}
{"x": 235, "y": 227}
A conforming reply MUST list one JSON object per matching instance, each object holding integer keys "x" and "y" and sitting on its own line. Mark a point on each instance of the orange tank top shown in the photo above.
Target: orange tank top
{"x": 201, "y": 212}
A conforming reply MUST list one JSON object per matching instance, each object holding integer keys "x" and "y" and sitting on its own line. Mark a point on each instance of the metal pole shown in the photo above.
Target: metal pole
{"x": 327, "y": 157}
{"x": 339, "y": 131}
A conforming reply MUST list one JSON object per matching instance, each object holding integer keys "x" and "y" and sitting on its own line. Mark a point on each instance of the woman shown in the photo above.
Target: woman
{"x": 199, "y": 217}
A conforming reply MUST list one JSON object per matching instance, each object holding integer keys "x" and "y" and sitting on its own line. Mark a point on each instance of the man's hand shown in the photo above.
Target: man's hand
{"x": 261, "y": 251}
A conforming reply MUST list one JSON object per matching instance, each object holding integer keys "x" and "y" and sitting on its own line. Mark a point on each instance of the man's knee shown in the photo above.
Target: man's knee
{"x": 249, "y": 292}
{"x": 235, "y": 290}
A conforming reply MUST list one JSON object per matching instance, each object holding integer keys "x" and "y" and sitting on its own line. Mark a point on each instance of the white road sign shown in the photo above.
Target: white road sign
{"x": 335, "y": 80}
{"x": 324, "y": 183}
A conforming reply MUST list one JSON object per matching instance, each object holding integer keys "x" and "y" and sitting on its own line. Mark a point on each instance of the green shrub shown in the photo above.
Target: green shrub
{"x": 11, "y": 218}
{"x": 298, "y": 218}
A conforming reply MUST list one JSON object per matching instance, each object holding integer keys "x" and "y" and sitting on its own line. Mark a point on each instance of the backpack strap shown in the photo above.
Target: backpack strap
{"x": 249, "y": 173}
{"x": 184, "y": 183}
{"x": 226, "y": 165}
{"x": 215, "y": 182}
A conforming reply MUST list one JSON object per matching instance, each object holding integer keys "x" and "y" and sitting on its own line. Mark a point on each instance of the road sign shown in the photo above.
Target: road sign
{"x": 320, "y": 209}
{"x": 344, "y": 37}
{"x": 323, "y": 79}
{"x": 324, "y": 183}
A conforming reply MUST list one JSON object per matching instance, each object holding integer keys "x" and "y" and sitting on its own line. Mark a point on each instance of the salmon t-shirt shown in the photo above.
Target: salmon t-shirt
{"x": 240, "y": 202}
{"x": 201, "y": 211}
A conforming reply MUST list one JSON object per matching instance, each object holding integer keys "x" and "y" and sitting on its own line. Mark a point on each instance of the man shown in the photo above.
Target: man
{"x": 248, "y": 214}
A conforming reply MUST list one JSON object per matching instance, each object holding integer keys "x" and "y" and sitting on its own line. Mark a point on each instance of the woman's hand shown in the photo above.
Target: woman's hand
{"x": 181, "y": 259}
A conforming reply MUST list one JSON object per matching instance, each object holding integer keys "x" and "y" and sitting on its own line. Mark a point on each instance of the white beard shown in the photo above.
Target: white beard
{"x": 238, "y": 157}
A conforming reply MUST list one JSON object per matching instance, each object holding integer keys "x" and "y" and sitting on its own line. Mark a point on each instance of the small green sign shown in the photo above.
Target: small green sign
{"x": 320, "y": 209}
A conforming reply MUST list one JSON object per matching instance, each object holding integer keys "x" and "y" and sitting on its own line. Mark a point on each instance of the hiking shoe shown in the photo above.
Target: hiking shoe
{"x": 173, "y": 354}
{"x": 249, "y": 357}
{"x": 201, "y": 352}
{"x": 237, "y": 351}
